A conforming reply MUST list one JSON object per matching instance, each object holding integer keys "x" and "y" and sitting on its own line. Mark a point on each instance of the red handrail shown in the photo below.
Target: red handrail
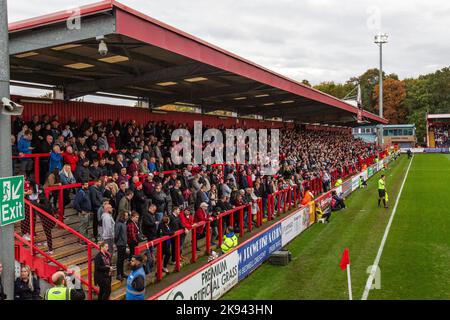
{"x": 34, "y": 248}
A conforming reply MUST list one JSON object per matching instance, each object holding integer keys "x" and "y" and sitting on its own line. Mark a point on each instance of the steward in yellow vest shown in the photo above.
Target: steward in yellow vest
{"x": 229, "y": 241}
{"x": 60, "y": 291}
{"x": 382, "y": 191}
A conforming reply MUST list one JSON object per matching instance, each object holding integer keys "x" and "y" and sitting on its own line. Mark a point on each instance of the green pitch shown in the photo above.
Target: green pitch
{"x": 415, "y": 262}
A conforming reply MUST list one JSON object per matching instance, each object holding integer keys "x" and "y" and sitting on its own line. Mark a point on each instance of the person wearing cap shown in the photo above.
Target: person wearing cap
{"x": 60, "y": 291}
{"x": 149, "y": 185}
{"x": 135, "y": 288}
{"x": 201, "y": 214}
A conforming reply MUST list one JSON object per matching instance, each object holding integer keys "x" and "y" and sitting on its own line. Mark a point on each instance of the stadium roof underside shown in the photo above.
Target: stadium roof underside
{"x": 150, "y": 60}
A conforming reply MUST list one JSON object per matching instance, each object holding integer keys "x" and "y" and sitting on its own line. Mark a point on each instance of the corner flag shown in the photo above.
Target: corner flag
{"x": 345, "y": 259}
{"x": 345, "y": 264}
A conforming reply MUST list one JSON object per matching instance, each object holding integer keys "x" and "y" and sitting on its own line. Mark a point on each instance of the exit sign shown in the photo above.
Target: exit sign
{"x": 12, "y": 205}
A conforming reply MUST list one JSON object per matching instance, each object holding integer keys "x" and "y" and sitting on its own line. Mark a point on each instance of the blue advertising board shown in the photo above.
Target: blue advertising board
{"x": 253, "y": 253}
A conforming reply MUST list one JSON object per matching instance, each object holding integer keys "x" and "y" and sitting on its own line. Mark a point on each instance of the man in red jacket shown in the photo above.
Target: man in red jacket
{"x": 202, "y": 215}
{"x": 70, "y": 158}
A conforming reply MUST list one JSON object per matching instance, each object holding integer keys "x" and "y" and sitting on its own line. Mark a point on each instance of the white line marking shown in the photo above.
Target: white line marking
{"x": 383, "y": 241}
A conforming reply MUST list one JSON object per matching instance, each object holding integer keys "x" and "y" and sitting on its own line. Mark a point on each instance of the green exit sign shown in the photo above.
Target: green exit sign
{"x": 12, "y": 206}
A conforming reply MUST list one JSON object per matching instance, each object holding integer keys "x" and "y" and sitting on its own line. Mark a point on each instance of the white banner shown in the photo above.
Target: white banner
{"x": 365, "y": 174}
{"x": 210, "y": 283}
{"x": 355, "y": 182}
{"x": 294, "y": 225}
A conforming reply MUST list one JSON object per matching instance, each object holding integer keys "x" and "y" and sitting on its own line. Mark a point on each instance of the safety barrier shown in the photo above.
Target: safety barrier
{"x": 30, "y": 219}
{"x": 159, "y": 242}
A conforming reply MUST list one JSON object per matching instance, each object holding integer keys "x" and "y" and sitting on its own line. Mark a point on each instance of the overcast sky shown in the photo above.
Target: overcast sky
{"x": 317, "y": 40}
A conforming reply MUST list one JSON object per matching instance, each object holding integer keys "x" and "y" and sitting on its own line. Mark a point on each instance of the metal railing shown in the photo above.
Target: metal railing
{"x": 31, "y": 210}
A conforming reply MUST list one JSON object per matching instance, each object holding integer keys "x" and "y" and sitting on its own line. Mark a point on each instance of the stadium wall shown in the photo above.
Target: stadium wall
{"x": 213, "y": 280}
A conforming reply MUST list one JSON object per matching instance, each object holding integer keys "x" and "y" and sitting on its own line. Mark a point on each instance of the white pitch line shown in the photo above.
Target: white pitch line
{"x": 383, "y": 241}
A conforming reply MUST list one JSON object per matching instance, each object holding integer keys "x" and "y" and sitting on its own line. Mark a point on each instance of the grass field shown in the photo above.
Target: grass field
{"x": 415, "y": 260}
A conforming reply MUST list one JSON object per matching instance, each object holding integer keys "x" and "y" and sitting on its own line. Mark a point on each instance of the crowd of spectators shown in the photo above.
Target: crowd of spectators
{"x": 126, "y": 197}
{"x": 441, "y": 136}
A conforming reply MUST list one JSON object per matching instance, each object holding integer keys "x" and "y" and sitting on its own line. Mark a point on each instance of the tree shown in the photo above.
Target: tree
{"x": 368, "y": 80}
{"x": 394, "y": 94}
{"x": 337, "y": 90}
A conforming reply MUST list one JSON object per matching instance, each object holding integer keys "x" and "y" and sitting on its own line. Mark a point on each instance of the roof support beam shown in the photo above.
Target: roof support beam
{"x": 167, "y": 74}
{"x": 55, "y": 35}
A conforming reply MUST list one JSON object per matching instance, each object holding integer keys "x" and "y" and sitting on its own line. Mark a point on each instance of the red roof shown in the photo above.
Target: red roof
{"x": 142, "y": 27}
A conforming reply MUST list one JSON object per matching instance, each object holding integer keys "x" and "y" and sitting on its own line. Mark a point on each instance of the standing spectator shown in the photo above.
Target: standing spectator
{"x": 202, "y": 196}
{"x": 125, "y": 202}
{"x": 25, "y": 148}
{"x": 175, "y": 225}
{"x": 177, "y": 195}
{"x": 120, "y": 238}
{"x": 26, "y": 287}
{"x": 70, "y": 158}
{"x": 136, "y": 280}
{"x": 53, "y": 180}
{"x": 82, "y": 172}
{"x": 66, "y": 177}
{"x": 149, "y": 185}
{"x": 187, "y": 219}
{"x": 159, "y": 199}
{"x": 150, "y": 230}
{"x": 108, "y": 226}
{"x": 139, "y": 202}
{"x": 82, "y": 204}
{"x": 45, "y": 147}
{"x": 96, "y": 196}
{"x": 133, "y": 233}
{"x": 201, "y": 214}
{"x": 55, "y": 159}
{"x": 47, "y": 222}
{"x": 164, "y": 230}
{"x": 103, "y": 271}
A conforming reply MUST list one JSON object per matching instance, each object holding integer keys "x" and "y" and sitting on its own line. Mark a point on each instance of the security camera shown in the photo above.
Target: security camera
{"x": 102, "y": 48}
{"x": 11, "y": 108}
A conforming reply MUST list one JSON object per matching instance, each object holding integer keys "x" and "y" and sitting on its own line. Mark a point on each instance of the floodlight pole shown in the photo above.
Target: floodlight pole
{"x": 6, "y": 232}
{"x": 380, "y": 39}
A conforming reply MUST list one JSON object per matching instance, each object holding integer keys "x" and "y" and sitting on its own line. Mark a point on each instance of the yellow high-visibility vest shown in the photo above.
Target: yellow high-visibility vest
{"x": 57, "y": 293}
{"x": 229, "y": 243}
{"x": 381, "y": 185}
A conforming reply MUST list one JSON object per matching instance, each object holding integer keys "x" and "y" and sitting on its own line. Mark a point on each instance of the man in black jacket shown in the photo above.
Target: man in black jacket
{"x": 94, "y": 170}
{"x": 103, "y": 271}
{"x": 45, "y": 147}
{"x": 150, "y": 223}
{"x": 82, "y": 172}
{"x": 175, "y": 225}
{"x": 139, "y": 201}
{"x": 96, "y": 195}
{"x": 177, "y": 195}
{"x": 149, "y": 230}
